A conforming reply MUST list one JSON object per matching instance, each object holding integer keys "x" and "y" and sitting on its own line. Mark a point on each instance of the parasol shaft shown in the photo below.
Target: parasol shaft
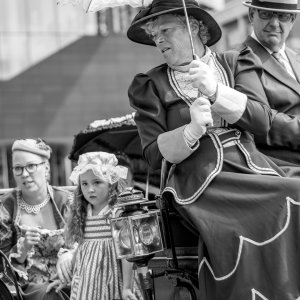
{"x": 208, "y": 126}
{"x": 189, "y": 29}
{"x": 89, "y": 5}
{"x": 147, "y": 183}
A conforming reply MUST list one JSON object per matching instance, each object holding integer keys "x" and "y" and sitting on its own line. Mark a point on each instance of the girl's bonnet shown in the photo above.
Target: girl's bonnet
{"x": 104, "y": 165}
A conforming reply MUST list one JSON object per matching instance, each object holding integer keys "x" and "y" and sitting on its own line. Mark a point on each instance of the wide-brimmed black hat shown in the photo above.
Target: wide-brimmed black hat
{"x": 288, "y": 6}
{"x": 161, "y": 7}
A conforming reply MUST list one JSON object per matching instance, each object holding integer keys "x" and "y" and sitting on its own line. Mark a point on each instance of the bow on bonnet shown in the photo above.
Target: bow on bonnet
{"x": 104, "y": 165}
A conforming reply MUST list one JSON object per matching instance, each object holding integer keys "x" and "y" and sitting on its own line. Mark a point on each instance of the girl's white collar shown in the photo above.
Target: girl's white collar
{"x": 102, "y": 212}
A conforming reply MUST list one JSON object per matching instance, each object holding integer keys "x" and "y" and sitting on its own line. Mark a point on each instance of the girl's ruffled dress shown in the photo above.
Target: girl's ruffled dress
{"x": 97, "y": 271}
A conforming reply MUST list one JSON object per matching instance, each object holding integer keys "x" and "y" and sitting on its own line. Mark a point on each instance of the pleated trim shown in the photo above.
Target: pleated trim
{"x": 218, "y": 145}
{"x": 252, "y": 165}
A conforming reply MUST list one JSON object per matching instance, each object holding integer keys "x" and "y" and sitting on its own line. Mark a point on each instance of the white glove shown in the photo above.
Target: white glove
{"x": 200, "y": 118}
{"x": 202, "y": 77}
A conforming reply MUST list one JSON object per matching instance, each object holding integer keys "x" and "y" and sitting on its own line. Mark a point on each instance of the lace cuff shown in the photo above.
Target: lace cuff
{"x": 65, "y": 250}
{"x": 17, "y": 252}
{"x": 20, "y": 250}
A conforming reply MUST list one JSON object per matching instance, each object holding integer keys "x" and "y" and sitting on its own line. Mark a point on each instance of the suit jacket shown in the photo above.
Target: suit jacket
{"x": 283, "y": 94}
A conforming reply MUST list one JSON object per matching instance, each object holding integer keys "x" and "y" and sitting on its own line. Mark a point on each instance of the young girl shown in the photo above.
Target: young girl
{"x": 97, "y": 273}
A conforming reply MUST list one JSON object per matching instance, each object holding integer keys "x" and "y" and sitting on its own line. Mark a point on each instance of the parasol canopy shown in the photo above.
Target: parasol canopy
{"x": 96, "y": 5}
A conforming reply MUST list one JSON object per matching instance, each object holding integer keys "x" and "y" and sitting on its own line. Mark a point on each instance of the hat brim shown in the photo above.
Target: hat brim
{"x": 137, "y": 34}
{"x": 272, "y": 9}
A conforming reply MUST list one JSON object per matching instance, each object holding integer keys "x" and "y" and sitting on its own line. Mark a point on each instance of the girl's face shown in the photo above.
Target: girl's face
{"x": 94, "y": 190}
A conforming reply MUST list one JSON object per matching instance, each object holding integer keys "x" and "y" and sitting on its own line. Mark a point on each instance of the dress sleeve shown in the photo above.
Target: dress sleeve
{"x": 150, "y": 117}
{"x": 247, "y": 70}
{"x": 157, "y": 140}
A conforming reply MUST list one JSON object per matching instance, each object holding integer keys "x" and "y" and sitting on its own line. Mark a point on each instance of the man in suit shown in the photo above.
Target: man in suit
{"x": 272, "y": 21}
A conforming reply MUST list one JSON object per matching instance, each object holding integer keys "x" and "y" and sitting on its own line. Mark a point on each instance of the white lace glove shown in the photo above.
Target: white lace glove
{"x": 202, "y": 77}
{"x": 200, "y": 118}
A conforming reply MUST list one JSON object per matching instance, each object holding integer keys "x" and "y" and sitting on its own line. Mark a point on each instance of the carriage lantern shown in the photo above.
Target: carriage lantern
{"x": 136, "y": 232}
{"x": 136, "y": 235}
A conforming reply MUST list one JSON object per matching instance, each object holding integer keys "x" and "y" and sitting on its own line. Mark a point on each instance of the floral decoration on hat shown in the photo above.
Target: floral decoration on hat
{"x": 104, "y": 165}
{"x": 37, "y": 146}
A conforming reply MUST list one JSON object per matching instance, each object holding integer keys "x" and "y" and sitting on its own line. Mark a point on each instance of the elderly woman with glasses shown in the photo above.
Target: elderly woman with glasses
{"x": 32, "y": 219}
{"x": 199, "y": 114}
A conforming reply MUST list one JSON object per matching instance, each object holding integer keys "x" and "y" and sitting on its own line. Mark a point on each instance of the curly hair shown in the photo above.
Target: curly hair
{"x": 204, "y": 34}
{"x": 75, "y": 226}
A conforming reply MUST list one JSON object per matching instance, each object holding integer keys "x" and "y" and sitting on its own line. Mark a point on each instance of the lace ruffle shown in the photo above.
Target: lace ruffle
{"x": 20, "y": 248}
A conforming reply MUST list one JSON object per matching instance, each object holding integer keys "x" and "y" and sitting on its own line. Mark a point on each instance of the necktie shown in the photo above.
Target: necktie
{"x": 279, "y": 58}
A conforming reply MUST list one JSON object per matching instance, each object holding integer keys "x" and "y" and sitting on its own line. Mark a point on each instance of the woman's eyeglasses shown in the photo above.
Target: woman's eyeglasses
{"x": 268, "y": 15}
{"x": 30, "y": 168}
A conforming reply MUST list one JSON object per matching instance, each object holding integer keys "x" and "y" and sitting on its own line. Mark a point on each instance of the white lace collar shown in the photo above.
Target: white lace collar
{"x": 180, "y": 82}
{"x": 103, "y": 212}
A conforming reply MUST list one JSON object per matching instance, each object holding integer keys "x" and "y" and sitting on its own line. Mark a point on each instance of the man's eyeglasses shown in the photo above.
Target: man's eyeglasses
{"x": 268, "y": 15}
{"x": 30, "y": 168}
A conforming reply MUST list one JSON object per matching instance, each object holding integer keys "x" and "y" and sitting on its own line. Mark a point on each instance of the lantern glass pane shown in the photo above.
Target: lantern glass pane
{"x": 121, "y": 234}
{"x": 146, "y": 233}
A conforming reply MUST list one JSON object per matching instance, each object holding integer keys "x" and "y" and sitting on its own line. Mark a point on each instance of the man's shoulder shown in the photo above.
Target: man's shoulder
{"x": 238, "y": 53}
{"x": 241, "y": 58}
{"x": 293, "y": 52}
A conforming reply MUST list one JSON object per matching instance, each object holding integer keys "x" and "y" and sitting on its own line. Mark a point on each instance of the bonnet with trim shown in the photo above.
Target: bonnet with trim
{"x": 104, "y": 165}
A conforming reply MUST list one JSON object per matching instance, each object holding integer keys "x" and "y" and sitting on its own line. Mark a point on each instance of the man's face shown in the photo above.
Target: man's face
{"x": 269, "y": 29}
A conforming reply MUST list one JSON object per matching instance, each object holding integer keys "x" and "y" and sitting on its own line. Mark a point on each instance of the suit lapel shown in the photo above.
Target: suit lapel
{"x": 272, "y": 67}
{"x": 294, "y": 59}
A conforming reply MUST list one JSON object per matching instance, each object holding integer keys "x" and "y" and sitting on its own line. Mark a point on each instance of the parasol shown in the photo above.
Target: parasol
{"x": 96, "y": 5}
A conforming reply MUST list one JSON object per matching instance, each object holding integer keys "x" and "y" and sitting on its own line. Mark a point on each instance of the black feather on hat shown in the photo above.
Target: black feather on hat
{"x": 161, "y": 7}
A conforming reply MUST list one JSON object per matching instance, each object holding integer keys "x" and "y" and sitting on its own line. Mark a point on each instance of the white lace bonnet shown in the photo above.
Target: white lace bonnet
{"x": 104, "y": 165}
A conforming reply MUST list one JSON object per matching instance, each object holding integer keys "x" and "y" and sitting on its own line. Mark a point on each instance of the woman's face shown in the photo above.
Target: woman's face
{"x": 29, "y": 181}
{"x": 94, "y": 190}
{"x": 171, "y": 37}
